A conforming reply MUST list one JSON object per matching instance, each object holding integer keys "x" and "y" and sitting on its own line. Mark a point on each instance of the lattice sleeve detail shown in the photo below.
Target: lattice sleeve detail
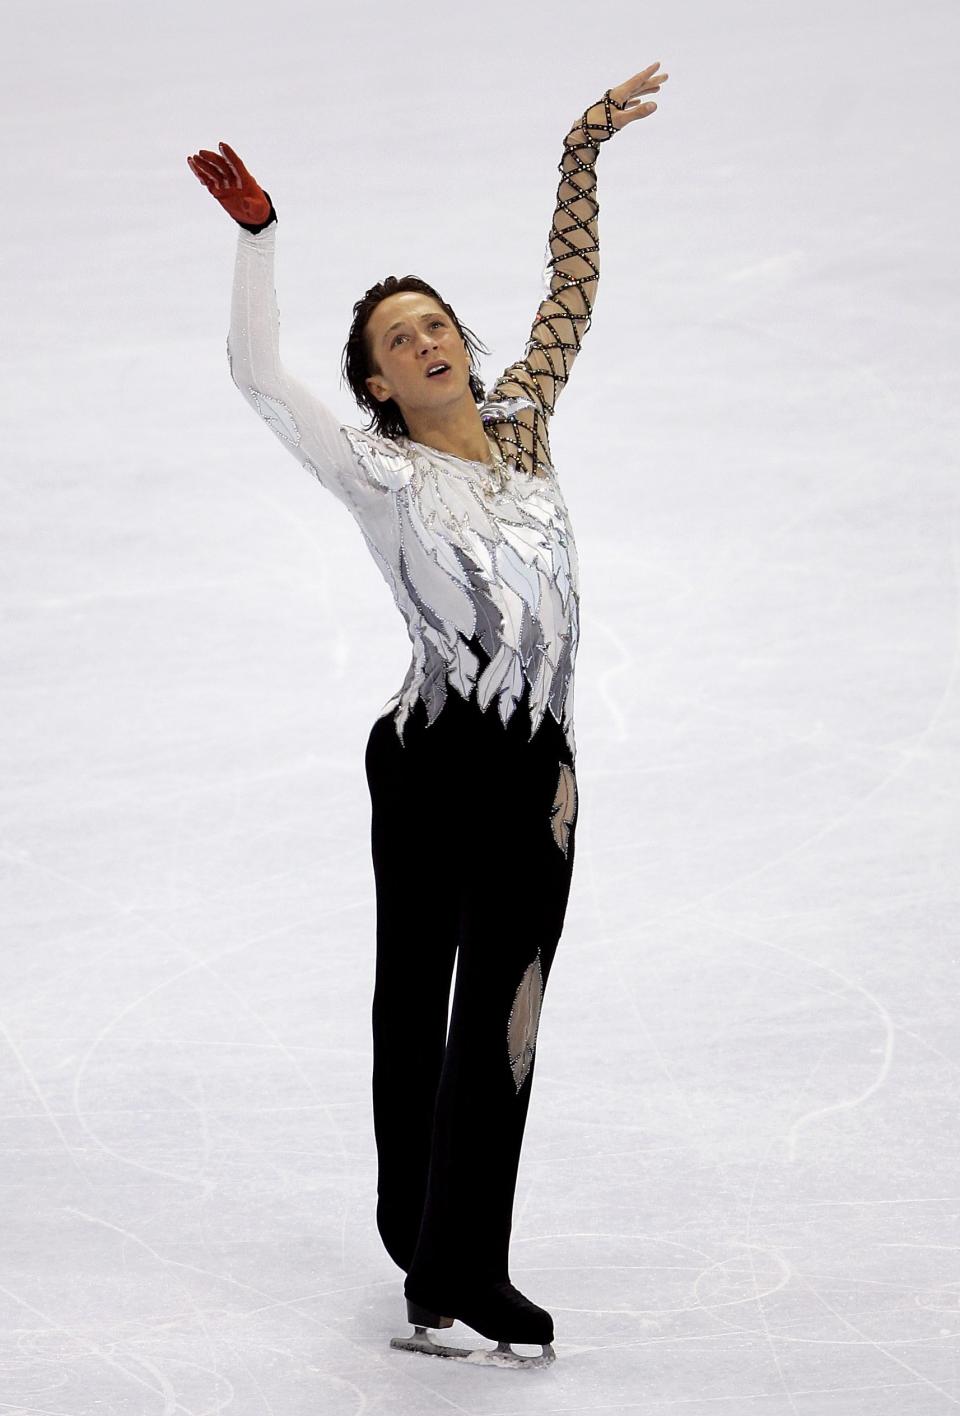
{"x": 571, "y": 276}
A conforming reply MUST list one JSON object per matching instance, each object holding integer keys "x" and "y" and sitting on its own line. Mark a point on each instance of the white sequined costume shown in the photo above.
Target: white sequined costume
{"x": 465, "y": 557}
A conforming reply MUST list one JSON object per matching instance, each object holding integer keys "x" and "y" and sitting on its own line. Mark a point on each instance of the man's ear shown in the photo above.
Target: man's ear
{"x": 377, "y": 388}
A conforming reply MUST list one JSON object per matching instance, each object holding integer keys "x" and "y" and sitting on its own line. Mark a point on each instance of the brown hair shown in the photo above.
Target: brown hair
{"x": 358, "y": 364}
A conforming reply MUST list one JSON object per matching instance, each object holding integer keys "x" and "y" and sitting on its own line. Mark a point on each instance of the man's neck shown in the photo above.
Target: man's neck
{"x": 459, "y": 431}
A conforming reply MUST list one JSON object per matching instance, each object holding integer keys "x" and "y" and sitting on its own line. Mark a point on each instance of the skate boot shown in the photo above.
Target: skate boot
{"x": 495, "y": 1310}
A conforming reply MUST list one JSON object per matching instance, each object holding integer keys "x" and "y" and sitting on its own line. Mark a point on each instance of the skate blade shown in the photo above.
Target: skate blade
{"x": 502, "y": 1355}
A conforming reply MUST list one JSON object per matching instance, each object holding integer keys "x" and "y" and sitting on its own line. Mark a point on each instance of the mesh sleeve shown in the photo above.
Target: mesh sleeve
{"x": 528, "y": 390}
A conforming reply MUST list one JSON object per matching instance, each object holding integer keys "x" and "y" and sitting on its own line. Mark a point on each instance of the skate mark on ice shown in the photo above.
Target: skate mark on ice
{"x": 853, "y": 985}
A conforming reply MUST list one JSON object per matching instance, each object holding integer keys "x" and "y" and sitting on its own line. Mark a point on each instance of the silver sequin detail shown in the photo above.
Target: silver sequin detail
{"x": 277, "y": 416}
{"x": 461, "y": 564}
{"x": 499, "y": 409}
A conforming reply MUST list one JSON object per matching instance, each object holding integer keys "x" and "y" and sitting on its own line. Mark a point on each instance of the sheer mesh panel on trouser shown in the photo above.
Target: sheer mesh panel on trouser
{"x": 564, "y": 808}
{"x": 527, "y": 1004}
{"x": 524, "y": 1021}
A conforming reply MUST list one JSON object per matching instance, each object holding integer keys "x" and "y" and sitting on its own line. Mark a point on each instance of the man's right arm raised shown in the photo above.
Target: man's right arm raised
{"x": 305, "y": 425}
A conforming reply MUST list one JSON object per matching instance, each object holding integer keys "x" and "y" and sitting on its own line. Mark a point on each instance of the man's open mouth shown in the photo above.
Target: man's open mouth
{"x": 436, "y": 371}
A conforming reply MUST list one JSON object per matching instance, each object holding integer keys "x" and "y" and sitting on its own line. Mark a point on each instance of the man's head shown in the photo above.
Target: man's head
{"x": 401, "y": 328}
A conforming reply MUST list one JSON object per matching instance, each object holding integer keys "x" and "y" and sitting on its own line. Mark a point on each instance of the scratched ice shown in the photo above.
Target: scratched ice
{"x": 738, "y": 1191}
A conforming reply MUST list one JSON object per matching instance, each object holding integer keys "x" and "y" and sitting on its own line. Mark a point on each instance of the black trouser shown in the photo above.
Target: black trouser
{"x": 472, "y": 836}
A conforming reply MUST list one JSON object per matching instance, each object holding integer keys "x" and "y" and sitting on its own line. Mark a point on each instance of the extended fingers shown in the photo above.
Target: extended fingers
{"x": 626, "y": 94}
{"x": 210, "y": 167}
{"x": 206, "y": 170}
{"x": 233, "y": 162}
{"x": 198, "y": 168}
{"x": 652, "y": 85}
{"x": 228, "y": 173}
{"x": 646, "y": 81}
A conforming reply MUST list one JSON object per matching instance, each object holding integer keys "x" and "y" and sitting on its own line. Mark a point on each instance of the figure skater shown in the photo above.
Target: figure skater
{"x": 471, "y": 763}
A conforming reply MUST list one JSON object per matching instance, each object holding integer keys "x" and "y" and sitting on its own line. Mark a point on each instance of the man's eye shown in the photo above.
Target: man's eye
{"x": 398, "y": 337}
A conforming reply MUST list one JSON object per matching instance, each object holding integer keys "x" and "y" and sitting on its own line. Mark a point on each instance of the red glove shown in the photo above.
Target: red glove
{"x": 226, "y": 178}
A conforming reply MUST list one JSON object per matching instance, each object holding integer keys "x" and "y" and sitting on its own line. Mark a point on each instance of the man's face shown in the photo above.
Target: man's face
{"x": 407, "y": 334}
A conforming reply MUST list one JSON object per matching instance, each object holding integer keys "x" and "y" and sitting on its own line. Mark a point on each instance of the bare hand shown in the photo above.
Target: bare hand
{"x": 631, "y": 93}
{"x": 226, "y": 178}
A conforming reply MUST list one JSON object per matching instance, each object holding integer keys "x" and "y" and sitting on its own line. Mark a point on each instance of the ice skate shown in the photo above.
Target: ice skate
{"x": 498, "y": 1312}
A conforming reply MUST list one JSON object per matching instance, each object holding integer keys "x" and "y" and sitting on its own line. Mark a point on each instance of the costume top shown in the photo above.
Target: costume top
{"x": 468, "y": 555}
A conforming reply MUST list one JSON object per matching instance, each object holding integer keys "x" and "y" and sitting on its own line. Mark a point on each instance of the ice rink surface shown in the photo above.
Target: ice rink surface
{"x": 739, "y": 1189}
